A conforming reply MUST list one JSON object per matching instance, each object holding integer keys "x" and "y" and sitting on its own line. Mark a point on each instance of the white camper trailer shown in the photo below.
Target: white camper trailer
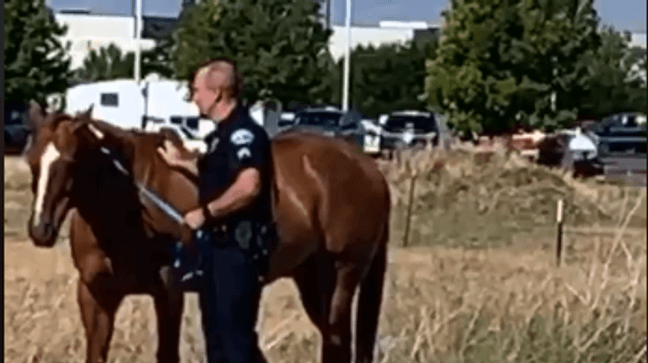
{"x": 148, "y": 106}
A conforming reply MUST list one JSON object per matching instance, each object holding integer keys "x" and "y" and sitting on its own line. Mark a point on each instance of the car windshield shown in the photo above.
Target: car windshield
{"x": 321, "y": 119}
{"x": 423, "y": 123}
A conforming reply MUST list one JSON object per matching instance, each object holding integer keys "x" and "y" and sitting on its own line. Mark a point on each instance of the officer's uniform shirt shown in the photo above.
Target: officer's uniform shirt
{"x": 237, "y": 143}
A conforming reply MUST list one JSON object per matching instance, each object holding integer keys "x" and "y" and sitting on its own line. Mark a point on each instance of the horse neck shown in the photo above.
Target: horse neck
{"x": 102, "y": 188}
{"x": 133, "y": 152}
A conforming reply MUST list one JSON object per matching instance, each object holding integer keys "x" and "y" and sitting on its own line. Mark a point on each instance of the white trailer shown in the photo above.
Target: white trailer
{"x": 154, "y": 104}
{"x": 147, "y": 106}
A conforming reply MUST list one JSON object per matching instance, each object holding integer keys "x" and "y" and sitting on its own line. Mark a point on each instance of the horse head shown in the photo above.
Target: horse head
{"x": 59, "y": 142}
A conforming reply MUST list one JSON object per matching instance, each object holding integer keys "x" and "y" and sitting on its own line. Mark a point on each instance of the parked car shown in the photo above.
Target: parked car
{"x": 571, "y": 150}
{"x": 16, "y": 131}
{"x": 623, "y": 132}
{"x": 332, "y": 122}
{"x": 286, "y": 119}
{"x": 405, "y": 129}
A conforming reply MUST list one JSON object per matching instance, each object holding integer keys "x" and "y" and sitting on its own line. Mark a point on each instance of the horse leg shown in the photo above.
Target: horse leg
{"x": 337, "y": 341}
{"x": 369, "y": 303}
{"x": 314, "y": 279}
{"x": 168, "y": 309}
{"x": 98, "y": 316}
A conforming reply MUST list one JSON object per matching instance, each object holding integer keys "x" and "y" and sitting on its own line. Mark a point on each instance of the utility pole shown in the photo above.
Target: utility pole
{"x": 345, "y": 90}
{"x": 328, "y": 14}
{"x": 138, "y": 37}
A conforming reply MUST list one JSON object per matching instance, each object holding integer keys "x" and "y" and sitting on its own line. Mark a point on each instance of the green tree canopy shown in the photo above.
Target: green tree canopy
{"x": 36, "y": 63}
{"x": 390, "y": 77}
{"x": 503, "y": 64}
{"x": 279, "y": 46}
{"x": 108, "y": 63}
{"x": 614, "y": 82}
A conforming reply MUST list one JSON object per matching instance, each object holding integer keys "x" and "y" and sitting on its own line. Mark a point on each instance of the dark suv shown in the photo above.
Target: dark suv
{"x": 408, "y": 129}
{"x": 624, "y": 132}
{"x": 330, "y": 122}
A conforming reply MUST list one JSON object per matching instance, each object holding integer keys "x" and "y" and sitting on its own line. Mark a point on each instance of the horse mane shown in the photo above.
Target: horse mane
{"x": 128, "y": 138}
{"x": 57, "y": 117}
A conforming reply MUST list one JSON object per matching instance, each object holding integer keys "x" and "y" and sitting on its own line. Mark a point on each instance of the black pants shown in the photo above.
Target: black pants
{"x": 229, "y": 301}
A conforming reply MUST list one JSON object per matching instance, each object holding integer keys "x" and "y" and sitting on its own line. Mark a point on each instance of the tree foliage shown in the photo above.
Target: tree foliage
{"x": 106, "y": 64}
{"x": 111, "y": 63}
{"x": 503, "y": 64}
{"x": 279, "y": 45}
{"x": 36, "y": 63}
{"x": 615, "y": 82}
{"x": 390, "y": 77}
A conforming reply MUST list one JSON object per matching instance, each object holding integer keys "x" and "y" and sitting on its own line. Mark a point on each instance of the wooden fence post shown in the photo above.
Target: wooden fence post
{"x": 559, "y": 220}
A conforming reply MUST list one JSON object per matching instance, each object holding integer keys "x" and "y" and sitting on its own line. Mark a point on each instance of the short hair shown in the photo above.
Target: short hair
{"x": 221, "y": 65}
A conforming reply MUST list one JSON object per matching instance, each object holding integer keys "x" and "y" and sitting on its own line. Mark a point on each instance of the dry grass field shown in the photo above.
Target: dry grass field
{"x": 478, "y": 284}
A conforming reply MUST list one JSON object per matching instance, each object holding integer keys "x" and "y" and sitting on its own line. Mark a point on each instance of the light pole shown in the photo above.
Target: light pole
{"x": 138, "y": 37}
{"x": 347, "y": 56}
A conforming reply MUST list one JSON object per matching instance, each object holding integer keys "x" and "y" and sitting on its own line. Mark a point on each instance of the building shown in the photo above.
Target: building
{"x": 638, "y": 39}
{"x": 88, "y": 31}
{"x": 387, "y": 32}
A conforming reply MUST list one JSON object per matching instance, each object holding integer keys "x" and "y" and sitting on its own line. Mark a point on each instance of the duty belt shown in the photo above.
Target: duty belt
{"x": 254, "y": 238}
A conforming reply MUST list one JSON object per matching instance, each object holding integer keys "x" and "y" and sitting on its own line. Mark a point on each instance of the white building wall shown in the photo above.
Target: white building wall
{"x": 638, "y": 40}
{"x": 366, "y": 36}
{"x": 91, "y": 31}
{"x": 88, "y": 31}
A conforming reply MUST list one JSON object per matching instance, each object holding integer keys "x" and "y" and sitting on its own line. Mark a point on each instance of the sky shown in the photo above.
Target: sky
{"x": 622, "y": 14}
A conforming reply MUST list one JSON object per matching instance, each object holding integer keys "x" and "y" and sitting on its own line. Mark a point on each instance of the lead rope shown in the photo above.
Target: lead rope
{"x": 143, "y": 191}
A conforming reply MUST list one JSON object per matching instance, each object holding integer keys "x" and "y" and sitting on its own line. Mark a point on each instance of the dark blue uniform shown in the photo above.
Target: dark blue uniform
{"x": 238, "y": 246}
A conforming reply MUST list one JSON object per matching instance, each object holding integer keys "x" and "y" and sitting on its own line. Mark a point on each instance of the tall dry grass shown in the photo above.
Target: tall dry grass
{"x": 454, "y": 298}
{"x": 468, "y": 198}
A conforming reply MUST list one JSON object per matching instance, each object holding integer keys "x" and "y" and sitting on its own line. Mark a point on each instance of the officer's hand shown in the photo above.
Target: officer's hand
{"x": 170, "y": 153}
{"x": 195, "y": 219}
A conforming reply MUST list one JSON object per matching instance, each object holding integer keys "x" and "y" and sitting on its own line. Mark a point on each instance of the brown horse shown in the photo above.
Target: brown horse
{"x": 331, "y": 206}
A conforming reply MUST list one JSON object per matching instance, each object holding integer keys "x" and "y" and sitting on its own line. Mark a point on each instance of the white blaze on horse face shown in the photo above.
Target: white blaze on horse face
{"x": 50, "y": 155}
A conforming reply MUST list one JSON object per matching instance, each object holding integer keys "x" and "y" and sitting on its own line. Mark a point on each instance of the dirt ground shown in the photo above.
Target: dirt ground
{"x": 430, "y": 294}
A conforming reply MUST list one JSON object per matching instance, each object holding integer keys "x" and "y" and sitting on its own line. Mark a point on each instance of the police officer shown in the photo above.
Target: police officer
{"x": 235, "y": 192}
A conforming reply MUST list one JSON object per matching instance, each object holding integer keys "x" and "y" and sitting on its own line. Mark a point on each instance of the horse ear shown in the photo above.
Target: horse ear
{"x": 87, "y": 114}
{"x": 35, "y": 115}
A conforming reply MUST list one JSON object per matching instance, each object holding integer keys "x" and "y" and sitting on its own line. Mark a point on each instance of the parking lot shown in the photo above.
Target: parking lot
{"x": 628, "y": 168}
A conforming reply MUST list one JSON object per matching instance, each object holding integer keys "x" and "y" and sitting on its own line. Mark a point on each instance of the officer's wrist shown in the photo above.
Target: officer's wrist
{"x": 207, "y": 215}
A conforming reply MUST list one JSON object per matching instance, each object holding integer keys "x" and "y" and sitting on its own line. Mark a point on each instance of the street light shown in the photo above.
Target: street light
{"x": 345, "y": 90}
{"x": 138, "y": 37}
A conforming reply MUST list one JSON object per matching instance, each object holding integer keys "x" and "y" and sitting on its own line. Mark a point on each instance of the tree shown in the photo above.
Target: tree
{"x": 158, "y": 59}
{"x": 279, "y": 45}
{"x": 36, "y": 63}
{"x": 503, "y": 64}
{"x": 614, "y": 82}
{"x": 108, "y": 63}
{"x": 383, "y": 79}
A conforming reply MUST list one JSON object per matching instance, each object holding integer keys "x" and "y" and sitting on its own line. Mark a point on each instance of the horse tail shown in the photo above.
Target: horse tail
{"x": 370, "y": 301}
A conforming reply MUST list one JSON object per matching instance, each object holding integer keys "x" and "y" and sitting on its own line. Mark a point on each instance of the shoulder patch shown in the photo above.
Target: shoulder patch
{"x": 242, "y": 137}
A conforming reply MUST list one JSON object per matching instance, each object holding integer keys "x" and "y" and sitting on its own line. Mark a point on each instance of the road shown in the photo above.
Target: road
{"x": 628, "y": 168}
